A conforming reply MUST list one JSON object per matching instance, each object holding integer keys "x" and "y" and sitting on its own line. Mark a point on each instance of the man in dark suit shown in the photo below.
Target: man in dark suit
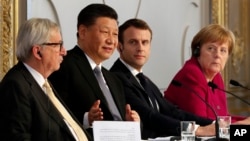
{"x": 27, "y": 112}
{"x": 76, "y": 79}
{"x": 159, "y": 117}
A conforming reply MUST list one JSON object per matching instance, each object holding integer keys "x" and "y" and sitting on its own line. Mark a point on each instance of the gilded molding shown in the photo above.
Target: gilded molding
{"x": 220, "y": 12}
{"x": 245, "y": 26}
{"x": 7, "y": 33}
{"x": 238, "y": 64}
{"x": 239, "y": 53}
{"x": 219, "y": 16}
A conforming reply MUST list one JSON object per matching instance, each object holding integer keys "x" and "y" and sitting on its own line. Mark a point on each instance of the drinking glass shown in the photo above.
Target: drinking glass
{"x": 187, "y": 130}
{"x": 224, "y": 126}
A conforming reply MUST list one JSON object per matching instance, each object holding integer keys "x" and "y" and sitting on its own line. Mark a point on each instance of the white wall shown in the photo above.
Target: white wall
{"x": 174, "y": 23}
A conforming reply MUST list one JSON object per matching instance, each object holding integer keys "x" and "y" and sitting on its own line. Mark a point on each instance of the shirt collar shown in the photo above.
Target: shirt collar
{"x": 131, "y": 69}
{"x": 91, "y": 62}
{"x": 36, "y": 75}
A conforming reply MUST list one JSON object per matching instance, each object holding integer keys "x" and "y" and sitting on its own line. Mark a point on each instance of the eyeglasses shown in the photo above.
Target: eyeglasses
{"x": 54, "y": 44}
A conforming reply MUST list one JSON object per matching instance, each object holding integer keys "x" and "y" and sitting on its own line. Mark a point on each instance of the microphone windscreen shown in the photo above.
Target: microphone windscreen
{"x": 235, "y": 83}
{"x": 211, "y": 84}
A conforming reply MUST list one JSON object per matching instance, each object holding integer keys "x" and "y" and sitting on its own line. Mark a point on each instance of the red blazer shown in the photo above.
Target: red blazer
{"x": 192, "y": 76}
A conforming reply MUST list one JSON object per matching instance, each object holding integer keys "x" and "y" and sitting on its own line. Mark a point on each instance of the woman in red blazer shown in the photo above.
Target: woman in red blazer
{"x": 211, "y": 48}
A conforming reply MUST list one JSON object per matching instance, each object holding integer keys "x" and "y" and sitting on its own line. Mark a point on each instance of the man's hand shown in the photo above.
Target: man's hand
{"x": 131, "y": 115}
{"x": 95, "y": 112}
{"x": 208, "y": 130}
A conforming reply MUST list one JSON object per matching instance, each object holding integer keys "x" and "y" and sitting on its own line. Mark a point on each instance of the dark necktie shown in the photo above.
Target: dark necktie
{"x": 147, "y": 87}
{"x": 107, "y": 93}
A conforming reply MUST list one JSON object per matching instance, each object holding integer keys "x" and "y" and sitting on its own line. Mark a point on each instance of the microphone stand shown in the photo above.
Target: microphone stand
{"x": 178, "y": 84}
{"x": 214, "y": 86}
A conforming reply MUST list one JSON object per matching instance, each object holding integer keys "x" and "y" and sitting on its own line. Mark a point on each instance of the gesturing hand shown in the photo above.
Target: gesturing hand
{"x": 95, "y": 112}
{"x": 131, "y": 115}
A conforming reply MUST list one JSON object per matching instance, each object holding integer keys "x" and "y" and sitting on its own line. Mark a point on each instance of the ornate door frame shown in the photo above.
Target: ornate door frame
{"x": 8, "y": 29}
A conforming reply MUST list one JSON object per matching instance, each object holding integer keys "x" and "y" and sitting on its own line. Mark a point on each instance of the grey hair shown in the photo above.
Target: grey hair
{"x": 34, "y": 31}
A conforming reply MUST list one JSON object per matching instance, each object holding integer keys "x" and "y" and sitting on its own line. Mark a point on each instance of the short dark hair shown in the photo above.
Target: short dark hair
{"x": 137, "y": 23}
{"x": 90, "y": 13}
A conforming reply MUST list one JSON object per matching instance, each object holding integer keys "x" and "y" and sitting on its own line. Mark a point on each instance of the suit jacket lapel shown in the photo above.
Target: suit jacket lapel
{"x": 87, "y": 72}
{"x": 41, "y": 97}
{"x": 121, "y": 67}
{"x": 72, "y": 115}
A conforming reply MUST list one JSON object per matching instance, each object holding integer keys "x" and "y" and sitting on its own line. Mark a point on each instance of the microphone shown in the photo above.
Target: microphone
{"x": 178, "y": 84}
{"x": 235, "y": 83}
{"x": 214, "y": 86}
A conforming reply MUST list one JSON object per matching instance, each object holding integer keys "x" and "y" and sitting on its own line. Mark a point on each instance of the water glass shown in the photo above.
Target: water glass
{"x": 188, "y": 130}
{"x": 224, "y": 126}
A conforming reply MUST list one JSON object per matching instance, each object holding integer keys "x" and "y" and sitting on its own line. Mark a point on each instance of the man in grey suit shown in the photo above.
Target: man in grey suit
{"x": 159, "y": 117}
{"x": 76, "y": 80}
{"x": 26, "y": 110}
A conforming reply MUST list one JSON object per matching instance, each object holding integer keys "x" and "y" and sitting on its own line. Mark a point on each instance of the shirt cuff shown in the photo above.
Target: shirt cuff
{"x": 86, "y": 120}
{"x": 196, "y": 126}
